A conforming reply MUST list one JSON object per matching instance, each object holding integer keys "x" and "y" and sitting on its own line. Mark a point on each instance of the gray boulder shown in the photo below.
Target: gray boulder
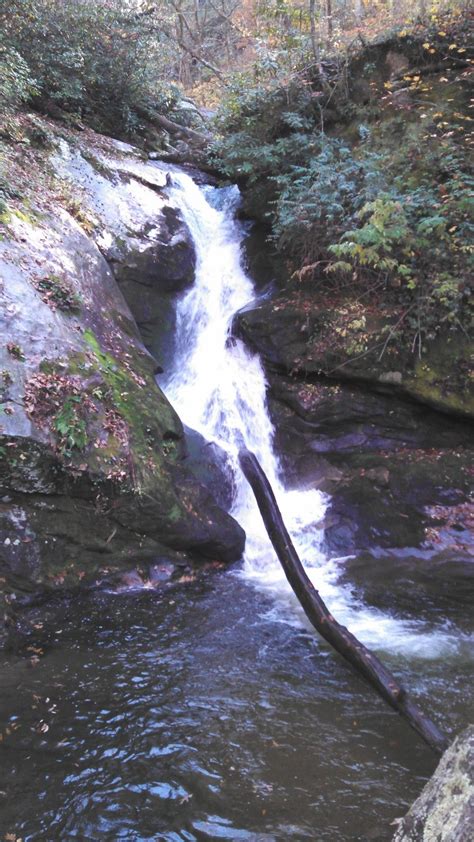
{"x": 124, "y": 201}
{"x": 444, "y": 812}
{"x": 91, "y": 452}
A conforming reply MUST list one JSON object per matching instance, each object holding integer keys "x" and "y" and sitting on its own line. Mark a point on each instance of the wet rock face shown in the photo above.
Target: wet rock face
{"x": 445, "y": 809}
{"x": 141, "y": 235}
{"x": 399, "y": 476}
{"x": 91, "y": 452}
{"x": 162, "y": 259}
{"x": 305, "y": 333}
{"x": 150, "y": 274}
{"x": 209, "y": 464}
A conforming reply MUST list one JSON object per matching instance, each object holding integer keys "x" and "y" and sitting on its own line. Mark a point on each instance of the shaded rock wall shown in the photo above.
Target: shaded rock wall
{"x": 301, "y": 332}
{"x": 398, "y": 472}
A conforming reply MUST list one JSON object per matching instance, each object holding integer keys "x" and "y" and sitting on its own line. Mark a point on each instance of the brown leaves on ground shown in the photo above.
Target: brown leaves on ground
{"x": 459, "y": 518}
{"x": 45, "y": 395}
{"x": 117, "y": 427}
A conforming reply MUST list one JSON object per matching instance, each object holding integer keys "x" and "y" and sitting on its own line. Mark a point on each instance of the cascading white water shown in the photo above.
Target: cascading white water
{"x": 218, "y": 388}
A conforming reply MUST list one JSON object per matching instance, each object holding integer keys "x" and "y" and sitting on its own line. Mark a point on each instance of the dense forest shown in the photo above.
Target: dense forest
{"x": 236, "y": 253}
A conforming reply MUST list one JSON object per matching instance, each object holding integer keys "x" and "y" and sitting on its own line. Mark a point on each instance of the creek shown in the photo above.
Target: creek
{"x": 213, "y": 711}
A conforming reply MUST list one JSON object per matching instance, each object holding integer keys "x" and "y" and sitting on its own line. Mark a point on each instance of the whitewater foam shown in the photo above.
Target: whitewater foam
{"x": 218, "y": 388}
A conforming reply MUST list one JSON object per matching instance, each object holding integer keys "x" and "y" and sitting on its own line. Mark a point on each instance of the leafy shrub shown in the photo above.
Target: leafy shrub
{"x": 96, "y": 58}
{"x": 70, "y": 427}
{"x": 263, "y": 130}
{"x": 417, "y": 243}
{"x": 16, "y": 81}
{"x": 317, "y": 198}
{"x": 384, "y": 233}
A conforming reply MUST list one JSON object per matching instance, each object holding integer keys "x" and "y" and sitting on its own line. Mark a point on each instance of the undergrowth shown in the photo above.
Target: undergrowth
{"x": 374, "y": 198}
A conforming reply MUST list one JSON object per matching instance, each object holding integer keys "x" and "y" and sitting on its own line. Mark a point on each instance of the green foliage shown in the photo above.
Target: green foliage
{"x": 16, "y": 81}
{"x": 71, "y": 428}
{"x": 398, "y": 220}
{"x": 262, "y": 130}
{"x": 385, "y": 230}
{"x": 418, "y": 241}
{"x": 318, "y": 196}
{"x": 15, "y": 351}
{"x": 99, "y": 59}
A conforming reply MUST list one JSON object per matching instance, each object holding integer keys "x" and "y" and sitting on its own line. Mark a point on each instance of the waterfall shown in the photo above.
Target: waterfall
{"x": 218, "y": 388}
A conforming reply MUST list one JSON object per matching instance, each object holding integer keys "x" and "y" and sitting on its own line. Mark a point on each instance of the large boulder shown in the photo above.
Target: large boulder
{"x": 400, "y": 478}
{"x": 444, "y": 812}
{"x": 91, "y": 451}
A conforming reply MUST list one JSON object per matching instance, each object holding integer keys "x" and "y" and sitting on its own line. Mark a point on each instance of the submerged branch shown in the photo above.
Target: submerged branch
{"x": 362, "y": 659}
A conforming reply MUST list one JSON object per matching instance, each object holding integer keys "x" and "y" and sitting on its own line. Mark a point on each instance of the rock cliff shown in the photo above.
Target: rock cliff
{"x": 91, "y": 451}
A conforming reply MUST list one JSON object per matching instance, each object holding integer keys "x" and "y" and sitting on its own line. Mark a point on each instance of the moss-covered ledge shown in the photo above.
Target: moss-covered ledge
{"x": 305, "y": 334}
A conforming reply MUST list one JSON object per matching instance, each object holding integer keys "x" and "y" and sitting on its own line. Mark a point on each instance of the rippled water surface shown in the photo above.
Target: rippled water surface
{"x": 195, "y": 716}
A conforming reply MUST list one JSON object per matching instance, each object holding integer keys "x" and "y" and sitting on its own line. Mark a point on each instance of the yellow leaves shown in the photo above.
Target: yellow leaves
{"x": 452, "y": 47}
{"x": 426, "y": 45}
{"x": 442, "y": 34}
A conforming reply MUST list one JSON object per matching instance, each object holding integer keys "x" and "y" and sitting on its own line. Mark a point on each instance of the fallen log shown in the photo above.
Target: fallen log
{"x": 359, "y": 656}
{"x": 155, "y": 118}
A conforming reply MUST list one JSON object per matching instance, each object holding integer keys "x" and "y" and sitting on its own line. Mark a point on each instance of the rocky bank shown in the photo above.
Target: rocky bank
{"x": 93, "y": 473}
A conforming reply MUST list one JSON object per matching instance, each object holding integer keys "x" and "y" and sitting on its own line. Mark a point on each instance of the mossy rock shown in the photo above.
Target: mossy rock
{"x": 91, "y": 451}
{"x": 300, "y": 334}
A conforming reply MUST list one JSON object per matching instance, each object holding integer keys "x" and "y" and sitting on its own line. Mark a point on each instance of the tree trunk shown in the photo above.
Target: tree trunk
{"x": 362, "y": 659}
{"x": 329, "y": 24}
{"x": 173, "y": 128}
{"x": 312, "y": 23}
